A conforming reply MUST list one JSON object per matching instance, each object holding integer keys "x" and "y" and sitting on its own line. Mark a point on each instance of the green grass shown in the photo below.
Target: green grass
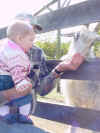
{"x": 53, "y": 96}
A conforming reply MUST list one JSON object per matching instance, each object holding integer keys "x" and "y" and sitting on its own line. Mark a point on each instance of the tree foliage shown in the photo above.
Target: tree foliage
{"x": 49, "y": 48}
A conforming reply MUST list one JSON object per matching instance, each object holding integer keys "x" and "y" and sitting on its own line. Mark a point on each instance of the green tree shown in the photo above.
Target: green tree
{"x": 50, "y": 48}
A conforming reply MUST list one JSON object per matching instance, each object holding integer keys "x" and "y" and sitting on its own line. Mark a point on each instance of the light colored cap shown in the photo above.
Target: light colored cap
{"x": 28, "y": 17}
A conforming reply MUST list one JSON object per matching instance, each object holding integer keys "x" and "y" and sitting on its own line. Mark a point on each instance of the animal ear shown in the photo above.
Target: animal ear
{"x": 76, "y": 35}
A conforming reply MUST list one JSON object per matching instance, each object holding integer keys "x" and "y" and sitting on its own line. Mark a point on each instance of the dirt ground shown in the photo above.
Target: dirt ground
{"x": 51, "y": 126}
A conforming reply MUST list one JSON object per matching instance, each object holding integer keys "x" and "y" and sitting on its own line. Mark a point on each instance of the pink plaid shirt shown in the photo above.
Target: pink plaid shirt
{"x": 14, "y": 61}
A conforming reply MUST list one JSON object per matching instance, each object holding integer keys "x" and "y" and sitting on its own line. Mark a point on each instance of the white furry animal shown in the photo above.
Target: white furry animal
{"x": 81, "y": 93}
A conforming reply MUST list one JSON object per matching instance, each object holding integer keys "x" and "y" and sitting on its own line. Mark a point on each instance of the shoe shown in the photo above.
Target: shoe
{"x": 24, "y": 119}
{"x": 10, "y": 118}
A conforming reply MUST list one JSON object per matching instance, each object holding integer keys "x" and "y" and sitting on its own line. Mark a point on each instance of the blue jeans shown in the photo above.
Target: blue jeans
{"x": 6, "y": 82}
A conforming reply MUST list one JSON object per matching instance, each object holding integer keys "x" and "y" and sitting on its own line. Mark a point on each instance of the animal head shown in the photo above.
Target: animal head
{"x": 82, "y": 42}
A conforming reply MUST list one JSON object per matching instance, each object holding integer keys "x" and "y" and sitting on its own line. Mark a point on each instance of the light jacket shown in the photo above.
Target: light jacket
{"x": 14, "y": 62}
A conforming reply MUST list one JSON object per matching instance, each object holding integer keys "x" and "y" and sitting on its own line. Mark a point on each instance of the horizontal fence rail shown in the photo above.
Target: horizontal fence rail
{"x": 77, "y": 117}
{"x": 82, "y": 13}
{"x": 87, "y": 71}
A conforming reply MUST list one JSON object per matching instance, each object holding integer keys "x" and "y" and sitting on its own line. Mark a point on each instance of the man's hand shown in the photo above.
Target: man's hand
{"x": 13, "y": 93}
{"x": 23, "y": 85}
{"x": 19, "y": 91}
